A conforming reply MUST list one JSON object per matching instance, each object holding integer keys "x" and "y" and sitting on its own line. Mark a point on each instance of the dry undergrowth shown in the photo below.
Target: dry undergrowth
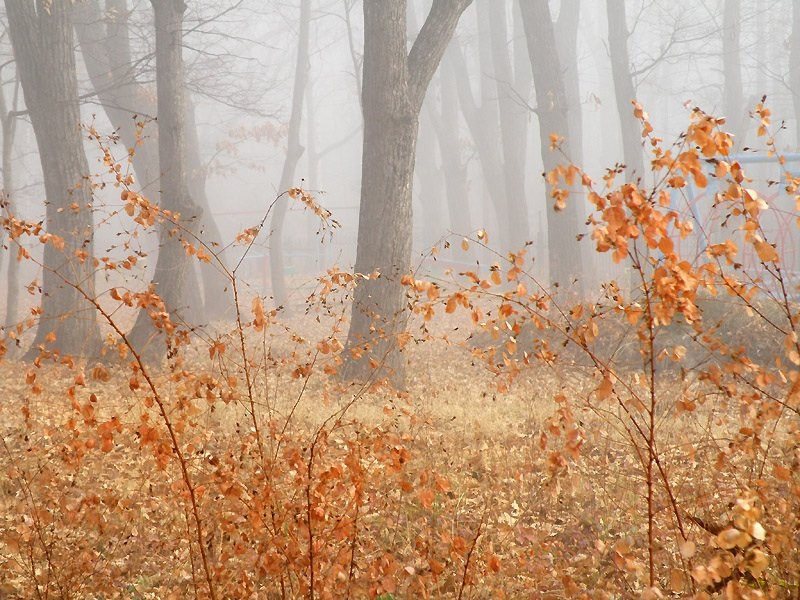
{"x": 531, "y": 454}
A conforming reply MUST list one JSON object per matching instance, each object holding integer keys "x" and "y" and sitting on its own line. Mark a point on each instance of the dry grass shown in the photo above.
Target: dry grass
{"x": 109, "y": 524}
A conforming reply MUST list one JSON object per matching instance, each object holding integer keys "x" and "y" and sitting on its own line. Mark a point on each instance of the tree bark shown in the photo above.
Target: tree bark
{"x": 42, "y": 39}
{"x": 564, "y": 254}
{"x": 394, "y": 86}
{"x": 173, "y": 264}
{"x": 624, "y": 90}
{"x": 294, "y": 152}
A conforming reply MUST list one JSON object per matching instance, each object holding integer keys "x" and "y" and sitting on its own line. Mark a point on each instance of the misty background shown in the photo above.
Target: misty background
{"x": 479, "y": 157}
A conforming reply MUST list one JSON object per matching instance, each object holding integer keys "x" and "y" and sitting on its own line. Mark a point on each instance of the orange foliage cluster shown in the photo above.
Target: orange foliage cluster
{"x": 242, "y": 467}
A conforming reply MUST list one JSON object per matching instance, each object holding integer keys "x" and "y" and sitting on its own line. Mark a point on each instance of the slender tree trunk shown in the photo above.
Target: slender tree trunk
{"x": 564, "y": 254}
{"x": 394, "y": 86}
{"x": 173, "y": 264}
{"x": 481, "y": 129}
{"x": 430, "y": 190}
{"x": 794, "y": 69}
{"x": 733, "y": 100}
{"x": 513, "y": 124}
{"x": 43, "y": 45}
{"x": 567, "y": 40}
{"x": 107, "y": 55}
{"x": 217, "y": 300}
{"x": 108, "y": 58}
{"x": 448, "y": 127}
{"x": 8, "y": 125}
{"x": 294, "y": 152}
{"x": 624, "y": 89}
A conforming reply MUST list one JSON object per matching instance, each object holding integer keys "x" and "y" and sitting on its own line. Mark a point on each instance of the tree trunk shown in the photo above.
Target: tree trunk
{"x": 481, "y": 129}
{"x": 217, "y": 299}
{"x": 455, "y": 170}
{"x": 294, "y": 152}
{"x": 8, "y": 125}
{"x": 107, "y": 55}
{"x": 794, "y": 69}
{"x": 564, "y": 254}
{"x": 428, "y": 191}
{"x": 394, "y": 86}
{"x": 513, "y": 125}
{"x": 567, "y": 40}
{"x": 173, "y": 263}
{"x": 43, "y": 45}
{"x": 430, "y": 188}
{"x": 733, "y": 101}
{"x": 623, "y": 89}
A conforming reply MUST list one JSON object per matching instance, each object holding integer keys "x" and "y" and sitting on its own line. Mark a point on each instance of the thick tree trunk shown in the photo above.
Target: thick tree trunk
{"x": 173, "y": 263}
{"x": 623, "y": 89}
{"x": 513, "y": 117}
{"x": 394, "y": 87}
{"x": 294, "y": 152}
{"x": 43, "y": 46}
{"x": 564, "y": 254}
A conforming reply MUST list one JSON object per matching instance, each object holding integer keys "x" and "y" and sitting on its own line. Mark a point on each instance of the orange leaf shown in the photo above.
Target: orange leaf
{"x": 426, "y": 498}
{"x": 605, "y": 389}
{"x": 766, "y": 251}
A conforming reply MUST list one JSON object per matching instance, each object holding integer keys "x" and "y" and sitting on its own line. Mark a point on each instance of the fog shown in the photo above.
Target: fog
{"x": 399, "y": 299}
{"x": 479, "y": 152}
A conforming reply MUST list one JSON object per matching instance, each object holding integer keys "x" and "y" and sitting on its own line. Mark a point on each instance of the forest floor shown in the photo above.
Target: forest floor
{"x": 459, "y": 490}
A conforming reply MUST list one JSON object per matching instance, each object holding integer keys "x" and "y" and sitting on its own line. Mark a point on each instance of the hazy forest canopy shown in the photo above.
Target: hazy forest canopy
{"x": 399, "y": 299}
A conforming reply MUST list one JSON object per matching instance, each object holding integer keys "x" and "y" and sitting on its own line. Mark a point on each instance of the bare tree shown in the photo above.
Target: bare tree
{"x": 624, "y": 88}
{"x": 172, "y": 264}
{"x": 429, "y": 191}
{"x": 394, "y": 85}
{"x": 564, "y": 254}
{"x": 294, "y": 151}
{"x": 794, "y": 69}
{"x": 447, "y": 125}
{"x": 512, "y": 80}
{"x": 481, "y": 119}
{"x": 42, "y": 37}
{"x": 567, "y": 39}
{"x": 733, "y": 98}
{"x": 8, "y": 129}
{"x": 105, "y": 41}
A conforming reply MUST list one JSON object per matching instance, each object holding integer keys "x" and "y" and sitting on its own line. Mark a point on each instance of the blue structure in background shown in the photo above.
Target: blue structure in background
{"x": 691, "y": 196}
